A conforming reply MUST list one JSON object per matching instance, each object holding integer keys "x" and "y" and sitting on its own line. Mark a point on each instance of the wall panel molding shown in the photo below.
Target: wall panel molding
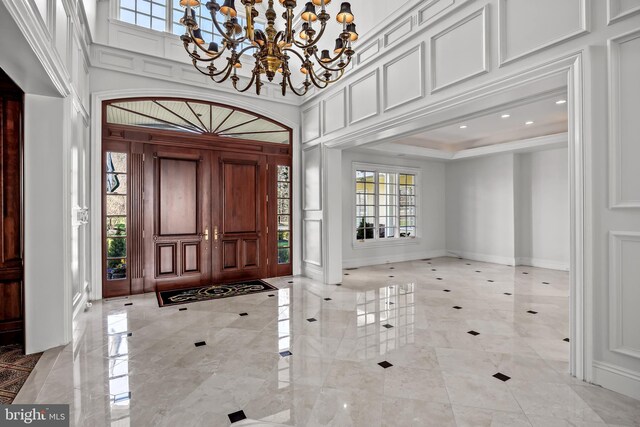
{"x": 334, "y": 112}
{"x": 432, "y": 10}
{"x": 312, "y": 247}
{"x": 506, "y": 57}
{"x": 312, "y": 178}
{"x": 624, "y": 294}
{"x": 368, "y": 51}
{"x": 438, "y": 82}
{"x": 623, "y": 170}
{"x": 616, "y": 12}
{"x": 361, "y": 107}
{"x": 397, "y": 78}
{"x": 398, "y": 32}
{"x": 311, "y": 117}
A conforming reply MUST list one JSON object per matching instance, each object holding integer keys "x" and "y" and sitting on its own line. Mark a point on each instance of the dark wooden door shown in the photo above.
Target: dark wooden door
{"x": 239, "y": 216}
{"x": 11, "y": 263}
{"x": 177, "y": 221}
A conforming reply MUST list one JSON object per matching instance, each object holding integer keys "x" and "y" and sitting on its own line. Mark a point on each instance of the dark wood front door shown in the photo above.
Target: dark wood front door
{"x": 11, "y": 263}
{"x": 239, "y": 216}
{"x": 177, "y": 202}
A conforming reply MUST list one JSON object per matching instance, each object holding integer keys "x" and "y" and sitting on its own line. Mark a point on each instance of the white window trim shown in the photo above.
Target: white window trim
{"x": 376, "y": 241}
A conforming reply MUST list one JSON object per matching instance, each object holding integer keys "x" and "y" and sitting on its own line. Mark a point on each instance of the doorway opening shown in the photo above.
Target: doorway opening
{"x": 193, "y": 193}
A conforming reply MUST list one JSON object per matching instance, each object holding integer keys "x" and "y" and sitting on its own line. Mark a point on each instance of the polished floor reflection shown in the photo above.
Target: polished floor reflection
{"x": 439, "y": 342}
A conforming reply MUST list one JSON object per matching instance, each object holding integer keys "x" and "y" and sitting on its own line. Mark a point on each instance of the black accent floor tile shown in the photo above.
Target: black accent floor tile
{"x": 385, "y": 364}
{"x": 566, "y": 340}
{"x": 438, "y": 278}
{"x": 388, "y": 326}
{"x": 346, "y": 274}
{"x": 271, "y": 295}
{"x": 457, "y": 307}
{"x": 130, "y": 334}
{"x": 468, "y": 264}
{"x": 545, "y": 283}
{"x": 446, "y": 290}
{"x": 200, "y": 343}
{"x": 478, "y": 271}
{"x": 433, "y": 269}
{"x": 129, "y": 303}
{"x": 392, "y": 276}
{"x": 532, "y": 312}
{"x": 474, "y": 333}
{"x": 285, "y": 353}
{"x": 327, "y": 299}
{"x": 338, "y": 284}
{"x": 237, "y": 416}
{"x": 182, "y": 309}
{"x": 290, "y": 281}
{"x": 311, "y": 319}
{"x": 507, "y": 293}
{"x": 351, "y": 269}
{"x": 392, "y": 268}
{"x": 391, "y": 303}
{"x": 244, "y": 314}
{"x": 502, "y": 377}
{"x": 490, "y": 281}
{"x": 524, "y": 272}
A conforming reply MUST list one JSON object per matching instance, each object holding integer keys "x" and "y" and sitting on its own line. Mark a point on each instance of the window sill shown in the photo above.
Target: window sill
{"x": 359, "y": 244}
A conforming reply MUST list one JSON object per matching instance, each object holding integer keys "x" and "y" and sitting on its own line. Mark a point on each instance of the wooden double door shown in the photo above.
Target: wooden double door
{"x": 206, "y": 216}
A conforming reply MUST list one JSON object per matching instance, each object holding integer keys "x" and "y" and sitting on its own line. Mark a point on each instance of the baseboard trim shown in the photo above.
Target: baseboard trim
{"x": 616, "y": 378}
{"x": 495, "y": 259}
{"x": 542, "y": 263}
{"x": 388, "y": 258}
{"x": 313, "y": 272}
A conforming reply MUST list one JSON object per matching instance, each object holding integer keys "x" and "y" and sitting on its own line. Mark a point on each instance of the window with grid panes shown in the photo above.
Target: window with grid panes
{"x": 284, "y": 214}
{"x": 165, "y": 15}
{"x": 385, "y": 205}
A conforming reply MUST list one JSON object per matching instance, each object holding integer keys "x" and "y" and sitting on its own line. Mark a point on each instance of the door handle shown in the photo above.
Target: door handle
{"x": 215, "y": 233}
{"x": 206, "y": 233}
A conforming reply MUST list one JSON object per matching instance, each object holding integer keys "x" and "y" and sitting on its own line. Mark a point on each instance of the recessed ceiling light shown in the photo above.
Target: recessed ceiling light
{"x": 561, "y": 101}
{"x": 463, "y": 126}
{"x": 528, "y": 123}
{"x": 505, "y": 116}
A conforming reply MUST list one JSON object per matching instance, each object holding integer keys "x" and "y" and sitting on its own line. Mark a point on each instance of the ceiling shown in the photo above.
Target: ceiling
{"x": 490, "y": 128}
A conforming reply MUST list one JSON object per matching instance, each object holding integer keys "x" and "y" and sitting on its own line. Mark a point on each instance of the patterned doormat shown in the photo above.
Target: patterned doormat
{"x": 203, "y": 293}
{"x": 15, "y": 368}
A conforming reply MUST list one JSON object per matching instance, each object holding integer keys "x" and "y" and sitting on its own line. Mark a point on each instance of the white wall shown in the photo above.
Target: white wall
{"x": 431, "y": 240}
{"x": 44, "y": 241}
{"x": 479, "y": 208}
{"x": 542, "y": 209}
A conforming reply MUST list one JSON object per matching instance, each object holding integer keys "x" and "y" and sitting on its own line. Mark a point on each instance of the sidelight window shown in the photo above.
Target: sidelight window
{"x": 385, "y": 203}
{"x": 284, "y": 214}
{"x": 116, "y": 181}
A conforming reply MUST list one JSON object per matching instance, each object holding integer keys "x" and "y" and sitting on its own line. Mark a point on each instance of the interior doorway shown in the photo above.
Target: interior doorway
{"x": 194, "y": 193}
{"x": 11, "y": 256}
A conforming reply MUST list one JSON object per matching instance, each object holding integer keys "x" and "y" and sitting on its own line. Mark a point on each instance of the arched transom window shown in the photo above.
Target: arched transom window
{"x": 197, "y": 117}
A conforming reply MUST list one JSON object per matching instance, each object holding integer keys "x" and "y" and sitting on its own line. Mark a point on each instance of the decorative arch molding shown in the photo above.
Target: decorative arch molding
{"x": 97, "y": 120}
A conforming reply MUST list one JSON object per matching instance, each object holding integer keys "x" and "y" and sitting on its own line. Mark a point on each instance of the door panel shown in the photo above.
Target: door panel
{"x": 178, "y": 196}
{"x": 239, "y": 216}
{"x": 177, "y": 217}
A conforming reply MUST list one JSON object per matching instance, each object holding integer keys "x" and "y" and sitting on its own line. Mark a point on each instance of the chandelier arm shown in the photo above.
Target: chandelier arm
{"x": 313, "y": 76}
{"x": 334, "y": 59}
{"x": 295, "y": 52}
{"x": 293, "y": 89}
{"x": 227, "y": 70}
{"x": 332, "y": 69}
{"x": 313, "y": 43}
{"x": 222, "y": 32}
{"x": 235, "y": 81}
{"x": 206, "y": 51}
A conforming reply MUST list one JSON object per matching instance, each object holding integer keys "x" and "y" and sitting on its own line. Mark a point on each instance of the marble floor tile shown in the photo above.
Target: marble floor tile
{"x": 379, "y": 351}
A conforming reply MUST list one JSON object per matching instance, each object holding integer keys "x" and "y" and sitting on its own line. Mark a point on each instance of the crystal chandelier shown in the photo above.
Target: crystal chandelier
{"x": 273, "y": 50}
